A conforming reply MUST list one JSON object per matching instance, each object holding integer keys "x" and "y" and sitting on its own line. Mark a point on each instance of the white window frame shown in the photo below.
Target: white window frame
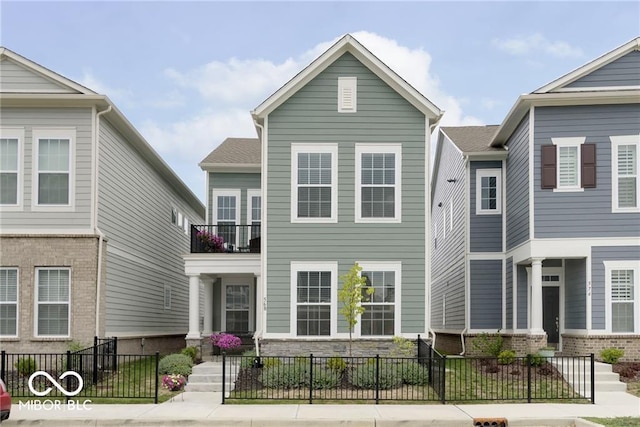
{"x": 347, "y": 84}
{"x": 569, "y": 143}
{"x": 250, "y": 195}
{"x": 16, "y": 303}
{"x": 303, "y": 266}
{"x": 488, "y": 173}
{"x": 215, "y": 193}
{"x": 297, "y": 148}
{"x": 37, "y": 303}
{"x": 396, "y": 268}
{"x": 609, "y": 266}
{"x": 616, "y": 142}
{"x": 15, "y": 133}
{"x": 53, "y": 133}
{"x": 167, "y": 296}
{"x": 363, "y": 148}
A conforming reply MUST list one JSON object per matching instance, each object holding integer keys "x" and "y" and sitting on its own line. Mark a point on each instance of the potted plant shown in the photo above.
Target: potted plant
{"x": 173, "y": 382}
{"x": 210, "y": 242}
{"x": 547, "y": 352}
{"x": 224, "y": 341}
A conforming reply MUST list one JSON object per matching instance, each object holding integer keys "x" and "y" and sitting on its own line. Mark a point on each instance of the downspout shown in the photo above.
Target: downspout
{"x": 258, "y": 334}
{"x": 95, "y": 222}
{"x": 464, "y": 350}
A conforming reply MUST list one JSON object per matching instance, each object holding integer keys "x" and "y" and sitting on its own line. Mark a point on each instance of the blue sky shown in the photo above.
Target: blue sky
{"x": 186, "y": 74}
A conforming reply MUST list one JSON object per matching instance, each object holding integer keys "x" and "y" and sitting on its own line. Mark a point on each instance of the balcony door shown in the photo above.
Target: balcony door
{"x": 226, "y": 211}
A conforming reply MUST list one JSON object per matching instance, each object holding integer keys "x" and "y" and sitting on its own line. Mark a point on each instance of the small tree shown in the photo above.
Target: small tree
{"x": 354, "y": 288}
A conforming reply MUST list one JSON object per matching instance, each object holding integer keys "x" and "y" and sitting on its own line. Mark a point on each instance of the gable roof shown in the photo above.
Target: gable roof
{"x": 234, "y": 153}
{"x": 348, "y": 44}
{"x": 472, "y": 139}
{"x": 552, "y": 95}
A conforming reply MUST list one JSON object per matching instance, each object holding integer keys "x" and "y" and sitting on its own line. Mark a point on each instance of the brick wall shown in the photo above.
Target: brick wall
{"x": 522, "y": 344}
{"x": 584, "y": 345}
{"x": 325, "y": 348}
{"x": 80, "y": 254}
{"x": 165, "y": 344}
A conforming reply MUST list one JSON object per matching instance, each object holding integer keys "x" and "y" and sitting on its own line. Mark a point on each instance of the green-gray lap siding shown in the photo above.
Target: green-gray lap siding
{"x": 448, "y": 259}
{"x": 621, "y": 72}
{"x": 145, "y": 249}
{"x": 485, "y": 294}
{"x": 29, "y": 119}
{"x": 517, "y": 183}
{"x": 575, "y": 294}
{"x": 485, "y": 231}
{"x": 522, "y": 302}
{"x": 599, "y": 254}
{"x": 310, "y": 116}
{"x": 232, "y": 181}
{"x": 575, "y": 214}
{"x": 16, "y": 78}
{"x": 508, "y": 306}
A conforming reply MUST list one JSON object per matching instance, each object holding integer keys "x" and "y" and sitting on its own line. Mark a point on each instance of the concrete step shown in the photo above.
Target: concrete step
{"x": 207, "y": 387}
{"x": 210, "y": 378}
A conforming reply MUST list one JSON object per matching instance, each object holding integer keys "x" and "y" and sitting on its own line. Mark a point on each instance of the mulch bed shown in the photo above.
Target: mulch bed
{"x": 629, "y": 371}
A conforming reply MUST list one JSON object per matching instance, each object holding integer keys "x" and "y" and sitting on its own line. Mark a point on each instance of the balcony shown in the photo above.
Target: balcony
{"x": 225, "y": 238}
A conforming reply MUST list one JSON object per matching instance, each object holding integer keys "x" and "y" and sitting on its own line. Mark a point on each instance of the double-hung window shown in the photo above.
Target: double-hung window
{"x": 313, "y": 298}
{"x": 52, "y": 301}
{"x": 568, "y": 164}
{"x": 378, "y": 182}
{"x": 53, "y": 180}
{"x": 10, "y": 162}
{"x": 625, "y": 186}
{"x": 9, "y": 302}
{"x": 488, "y": 191}
{"x": 314, "y": 183}
{"x": 226, "y": 211}
{"x": 381, "y": 309}
{"x": 622, "y": 296}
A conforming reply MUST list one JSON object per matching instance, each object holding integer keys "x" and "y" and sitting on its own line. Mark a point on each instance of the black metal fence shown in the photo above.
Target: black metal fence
{"x": 94, "y": 372}
{"x": 429, "y": 376}
{"x": 229, "y": 238}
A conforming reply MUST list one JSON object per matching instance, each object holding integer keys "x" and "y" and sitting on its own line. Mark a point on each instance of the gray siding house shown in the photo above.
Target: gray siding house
{"x": 543, "y": 230}
{"x": 93, "y": 223}
{"x": 338, "y": 175}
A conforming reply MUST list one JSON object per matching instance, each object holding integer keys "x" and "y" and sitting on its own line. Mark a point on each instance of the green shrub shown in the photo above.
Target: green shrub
{"x": 248, "y": 359}
{"x": 26, "y": 366}
{"x": 336, "y": 363}
{"x": 176, "y": 364}
{"x": 404, "y": 347}
{"x": 324, "y": 379}
{"x": 270, "y": 362}
{"x": 414, "y": 373}
{"x": 489, "y": 344}
{"x": 506, "y": 357}
{"x": 537, "y": 360}
{"x": 284, "y": 376}
{"x": 74, "y": 346}
{"x": 192, "y": 352}
{"x": 611, "y": 355}
{"x": 364, "y": 376}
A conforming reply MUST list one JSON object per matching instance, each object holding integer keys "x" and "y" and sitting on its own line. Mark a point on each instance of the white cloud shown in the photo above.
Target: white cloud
{"x": 118, "y": 95}
{"x": 537, "y": 43}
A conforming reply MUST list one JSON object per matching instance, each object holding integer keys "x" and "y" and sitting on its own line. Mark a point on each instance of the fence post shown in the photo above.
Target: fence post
{"x": 593, "y": 380}
{"x": 430, "y": 365}
{"x": 68, "y": 369}
{"x": 115, "y": 354}
{"x": 418, "y": 345}
{"x": 443, "y": 383}
{"x": 94, "y": 376}
{"x": 528, "y": 378}
{"x": 3, "y": 366}
{"x": 155, "y": 397}
{"x": 311, "y": 378}
{"x": 377, "y": 379}
{"x": 224, "y": 375}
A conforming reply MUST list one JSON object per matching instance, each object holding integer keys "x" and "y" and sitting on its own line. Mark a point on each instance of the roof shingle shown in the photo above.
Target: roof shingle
{"x": 245, "y": 151}
{"x": 472, "y": 139}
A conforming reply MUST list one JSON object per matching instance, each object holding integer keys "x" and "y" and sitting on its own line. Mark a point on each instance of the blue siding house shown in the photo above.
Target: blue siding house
{"x": 536, "y": 222}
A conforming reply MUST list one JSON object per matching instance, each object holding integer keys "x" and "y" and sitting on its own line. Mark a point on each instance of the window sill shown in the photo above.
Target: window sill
{"x": 569, "y": 190}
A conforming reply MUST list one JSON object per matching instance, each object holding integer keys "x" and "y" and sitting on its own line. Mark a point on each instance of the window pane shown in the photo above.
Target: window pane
{"x": 627, "y": 160}
{"x": 8, "y": 188}
{"x": 53, "y": 189}
{"x": 8, "y": 285}
{"x": 622, "y": 317}
{"x": 8, "y": 316}
{"x": 313, "y": 320}
{"x": 53, "y": 319}
{"x": 377, "y": 202}
{"x": 568, "y": 166}
{"x": 314, "y": 202}
{"x": 53, "y": 155}
{"x": 489, "y": 193}
{"x": 53, "y": 285}
{"x": 622, "y": 300}
{"x": 377, "y": 320}
{"x": 8, "y": 155}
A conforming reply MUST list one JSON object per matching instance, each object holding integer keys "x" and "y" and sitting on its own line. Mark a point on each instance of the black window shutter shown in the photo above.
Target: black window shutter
{"x": 548, "y": 176}
{"x": 588, "y": 166}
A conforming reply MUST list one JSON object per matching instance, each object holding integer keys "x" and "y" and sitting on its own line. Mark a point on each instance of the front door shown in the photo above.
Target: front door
{"x": 238, "y": 303}
{"x": 551, "y": 314}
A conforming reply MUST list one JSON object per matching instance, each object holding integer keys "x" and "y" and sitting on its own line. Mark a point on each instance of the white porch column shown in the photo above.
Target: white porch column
{"x": 194, "y": 308}
{"x": 259, "y": 304}
{"x": 208, "y": 308}
{"x": 536, "y": 296}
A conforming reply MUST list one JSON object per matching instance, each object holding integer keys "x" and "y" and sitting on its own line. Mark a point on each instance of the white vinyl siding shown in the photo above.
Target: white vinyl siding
{"x": 167, "y": 297}
{"x": 8, "y": 302}
{"x": 488, "y": 191}
{"x": 53, "y": 171}
{"x": 622, "y": 296}
{"x": 378, "y": 183}
{"x": 381, "y": 316}
{"x": 625, "y": 186}
{"x": 313, "y": 290}
{"x": 52, "y": 302}
{"x": 347, "y": 94}
{"x": 314, "y": 183}
{"x": 568, "y": 168}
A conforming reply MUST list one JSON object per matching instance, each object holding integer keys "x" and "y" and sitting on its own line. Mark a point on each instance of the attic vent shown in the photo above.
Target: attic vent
{"x": 347, "y": 94}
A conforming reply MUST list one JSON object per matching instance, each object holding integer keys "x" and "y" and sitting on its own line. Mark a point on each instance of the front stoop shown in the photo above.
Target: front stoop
{"x": 207, "y": 377}
{"x": 605, "y": 379}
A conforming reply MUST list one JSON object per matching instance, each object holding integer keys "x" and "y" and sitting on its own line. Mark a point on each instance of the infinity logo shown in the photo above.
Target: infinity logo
{"x": 55, "y": 383}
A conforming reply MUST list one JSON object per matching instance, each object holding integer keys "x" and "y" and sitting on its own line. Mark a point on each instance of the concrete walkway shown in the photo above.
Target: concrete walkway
{"x": 196, "y": 409}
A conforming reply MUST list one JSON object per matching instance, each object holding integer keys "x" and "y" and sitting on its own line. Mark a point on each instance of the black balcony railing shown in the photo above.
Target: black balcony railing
{"x": 225, "y": 238}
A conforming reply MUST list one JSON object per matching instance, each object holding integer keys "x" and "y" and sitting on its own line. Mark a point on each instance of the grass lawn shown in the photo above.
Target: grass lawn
{"x": 616, "y": 422}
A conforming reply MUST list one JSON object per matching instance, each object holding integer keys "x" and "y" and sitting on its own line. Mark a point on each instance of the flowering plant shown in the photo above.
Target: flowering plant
{"x": 173, "y": 382}
{"x": 210, "y": 242}
{"x": 225, "y": 341}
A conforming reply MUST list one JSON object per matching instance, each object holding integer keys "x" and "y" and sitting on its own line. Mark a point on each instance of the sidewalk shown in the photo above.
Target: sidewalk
{"x": 196, "y": 409}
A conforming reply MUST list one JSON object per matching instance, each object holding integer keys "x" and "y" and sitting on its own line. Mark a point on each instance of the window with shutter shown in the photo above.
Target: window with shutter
{"x": 563, "y": 164}
{"x": 624, "y": 158}
{"x": 347, "y": 94}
